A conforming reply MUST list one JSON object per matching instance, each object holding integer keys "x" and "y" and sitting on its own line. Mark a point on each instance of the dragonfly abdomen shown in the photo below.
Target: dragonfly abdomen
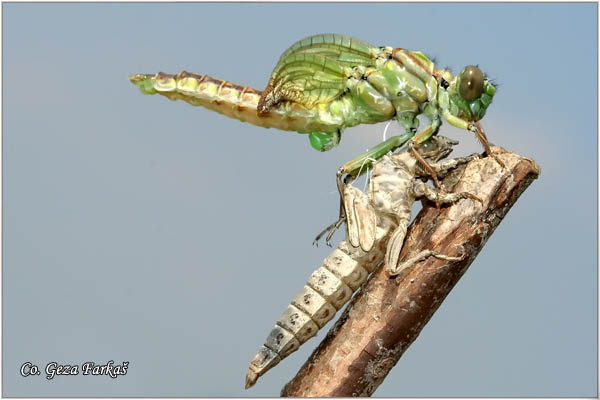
{"x": 328, "y": 289}
{"x": 241, "y": 102}
{"x": 202, "y": 90}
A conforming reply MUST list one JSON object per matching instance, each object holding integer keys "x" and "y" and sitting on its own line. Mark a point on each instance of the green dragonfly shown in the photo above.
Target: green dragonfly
{"x": 326, "y": 83}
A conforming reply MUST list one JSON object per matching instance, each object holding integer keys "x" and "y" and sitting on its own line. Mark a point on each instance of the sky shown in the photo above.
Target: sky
{"x": 140, "y": 230}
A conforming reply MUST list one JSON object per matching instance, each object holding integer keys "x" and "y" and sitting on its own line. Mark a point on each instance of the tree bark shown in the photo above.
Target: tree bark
{"x": 388, "y": 314}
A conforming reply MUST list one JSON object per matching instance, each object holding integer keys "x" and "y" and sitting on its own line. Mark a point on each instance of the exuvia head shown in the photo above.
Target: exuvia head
{"x": 436, "y": 148}
{"x": 467, "y": 95}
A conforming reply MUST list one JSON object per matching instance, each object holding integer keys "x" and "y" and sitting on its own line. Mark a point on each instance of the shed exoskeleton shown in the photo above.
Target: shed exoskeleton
{"x": 376, "y": 226}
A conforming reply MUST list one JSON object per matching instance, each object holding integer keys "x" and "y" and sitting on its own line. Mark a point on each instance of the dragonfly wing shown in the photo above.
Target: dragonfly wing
{"x": 394, "y": 246}
{"x": 350, "y": 193}
{"x": 366, "y": 221}
{"x": 315, "y": 70}
{"x": 361, "y": 221}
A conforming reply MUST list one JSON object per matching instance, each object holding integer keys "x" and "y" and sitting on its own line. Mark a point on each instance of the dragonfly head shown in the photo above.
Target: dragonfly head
{"x": 436, "y": 148}
{"x": 468, "y": 95}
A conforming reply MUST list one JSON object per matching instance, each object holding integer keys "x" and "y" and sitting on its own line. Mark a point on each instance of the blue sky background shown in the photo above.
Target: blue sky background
{"x": 143, "y": 230}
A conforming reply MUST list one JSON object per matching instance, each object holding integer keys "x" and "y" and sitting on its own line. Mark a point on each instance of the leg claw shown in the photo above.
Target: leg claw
{"x": 473, "y": 197}
{"x": 330, "y": 230}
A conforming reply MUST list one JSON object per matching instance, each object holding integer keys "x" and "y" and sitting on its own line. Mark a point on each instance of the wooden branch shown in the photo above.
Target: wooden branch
{"x": 388, "y": 314}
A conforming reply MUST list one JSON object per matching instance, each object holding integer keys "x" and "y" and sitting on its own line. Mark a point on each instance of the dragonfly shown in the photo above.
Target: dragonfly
{"x": 326, "y": 83}
{"x": 377, "y": 222}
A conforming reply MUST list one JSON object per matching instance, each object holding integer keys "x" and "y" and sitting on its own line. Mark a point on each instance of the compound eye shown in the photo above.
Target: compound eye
{"x": 471, "y": 83}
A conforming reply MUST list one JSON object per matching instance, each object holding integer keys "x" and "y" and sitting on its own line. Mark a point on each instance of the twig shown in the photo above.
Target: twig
{"x": 388, "y": 314}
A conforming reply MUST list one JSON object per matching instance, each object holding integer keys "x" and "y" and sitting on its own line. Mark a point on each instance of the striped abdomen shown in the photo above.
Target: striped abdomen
{"x": 241, "y": 102}
{"x": 327, "y": 290}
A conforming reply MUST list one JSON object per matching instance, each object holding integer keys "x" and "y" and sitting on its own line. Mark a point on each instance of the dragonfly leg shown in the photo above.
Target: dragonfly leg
{"x": 420, "y": 257}
{"x": 360, "y": 165}
{"x": 425, "y": 165}
{"x": 334, "y": 228}
{"x": 474, "y": 127}
{"x": 478, "y": 131}
{"x": 420, "y": 138}
{"x": 420, "y": 189}
{"x": 443, "y": 167}
{"x": 330, "y": 230}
